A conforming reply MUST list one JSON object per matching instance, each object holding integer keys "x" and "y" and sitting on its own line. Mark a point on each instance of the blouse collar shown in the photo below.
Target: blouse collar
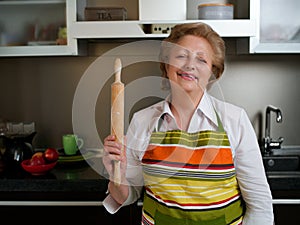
{"x": 205, "y": 106}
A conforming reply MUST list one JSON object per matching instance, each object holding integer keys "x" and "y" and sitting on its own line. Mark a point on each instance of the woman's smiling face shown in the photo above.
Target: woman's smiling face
{"x": 190, "y": 64}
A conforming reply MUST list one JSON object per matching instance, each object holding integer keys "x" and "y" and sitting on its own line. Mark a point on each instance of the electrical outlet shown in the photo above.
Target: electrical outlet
{"x": 161, "y": 28}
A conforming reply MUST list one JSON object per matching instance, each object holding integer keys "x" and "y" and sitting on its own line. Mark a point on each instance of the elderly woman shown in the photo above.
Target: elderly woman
{"x": 196, "y": 158}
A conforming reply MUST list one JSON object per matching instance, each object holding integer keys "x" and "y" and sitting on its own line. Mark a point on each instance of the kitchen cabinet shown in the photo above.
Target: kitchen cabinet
{"x": 286, "y": 206}
{"x": 272, "y": 27}
{"x": 71, "y": 193}
{"x": 22, "y": 36}
{"x": 277, "y": 27}
{"x": 240, "y": 26}
{"x": 287, "y": 214}
{"x": 50, "y": 215}
{"x": 285, "y": 188}
{"x": 30, "y": 28}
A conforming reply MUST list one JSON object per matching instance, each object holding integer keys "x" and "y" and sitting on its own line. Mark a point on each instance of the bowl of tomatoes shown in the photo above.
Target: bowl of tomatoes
{"x": 41, "y": 162}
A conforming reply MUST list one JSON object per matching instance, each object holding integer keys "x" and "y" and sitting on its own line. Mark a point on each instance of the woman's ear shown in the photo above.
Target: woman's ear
{"x": 165, "y": 84}
{"x": 212, "y": 78}
{"x": 167, "y": 69}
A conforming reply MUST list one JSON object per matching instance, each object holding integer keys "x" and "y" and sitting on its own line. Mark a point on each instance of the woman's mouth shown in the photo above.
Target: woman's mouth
{"x": 187, "y": 76}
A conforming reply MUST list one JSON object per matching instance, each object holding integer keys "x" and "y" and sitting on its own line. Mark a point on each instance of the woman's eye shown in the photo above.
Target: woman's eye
{"x": 202, "y": 60}
{"x": 181, "y": 56}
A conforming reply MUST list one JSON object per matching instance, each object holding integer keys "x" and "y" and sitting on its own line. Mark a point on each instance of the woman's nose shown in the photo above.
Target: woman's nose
{"x": 190, "y": 64}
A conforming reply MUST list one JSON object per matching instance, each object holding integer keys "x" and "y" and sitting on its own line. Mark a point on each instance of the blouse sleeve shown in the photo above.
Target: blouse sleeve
{"x": 136, "y": 141}
{"x": 251, "y": 175}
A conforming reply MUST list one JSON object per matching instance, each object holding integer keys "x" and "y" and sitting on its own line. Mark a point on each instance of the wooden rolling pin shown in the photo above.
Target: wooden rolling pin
{"x": 117, "y": 115}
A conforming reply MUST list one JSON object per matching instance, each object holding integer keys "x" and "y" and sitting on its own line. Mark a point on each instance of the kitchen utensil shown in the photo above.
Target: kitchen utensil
{"x": 37, "y": 170}
{"x": 18, "y": 148}
{"x": 117, "y": 114}
{"x": 80, "y": 157}
{"x": 71, "y": 144}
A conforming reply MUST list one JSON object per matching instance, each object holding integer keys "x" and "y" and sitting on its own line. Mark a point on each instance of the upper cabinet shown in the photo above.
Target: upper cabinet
{"x": 37, "y": 27}
{"x": 53, "y": 27}
{"x": 278, "y": 27}
{"x": 156, "y": 19}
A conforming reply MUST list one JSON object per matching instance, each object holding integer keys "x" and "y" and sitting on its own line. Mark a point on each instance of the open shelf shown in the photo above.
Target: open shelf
{"x": 140, "y": 29}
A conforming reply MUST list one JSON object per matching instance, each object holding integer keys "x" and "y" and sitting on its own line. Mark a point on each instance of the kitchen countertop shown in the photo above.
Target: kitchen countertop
{"x": 77, "y": 182}
{"x": 82, "y": 183}
{"x": 50, "y": 199}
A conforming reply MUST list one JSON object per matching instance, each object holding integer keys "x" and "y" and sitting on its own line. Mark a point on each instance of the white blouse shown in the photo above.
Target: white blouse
{"x": 245, "y": 150}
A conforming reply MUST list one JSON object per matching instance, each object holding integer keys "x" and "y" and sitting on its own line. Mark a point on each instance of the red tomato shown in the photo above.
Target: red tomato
{"x": 51, "y": 155}
{"x": 37, "y": 159}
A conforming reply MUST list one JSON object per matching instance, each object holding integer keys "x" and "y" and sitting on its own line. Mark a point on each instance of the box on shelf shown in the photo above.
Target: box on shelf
{"x": 105, "y": 13}
{"x": 162, "y": 10}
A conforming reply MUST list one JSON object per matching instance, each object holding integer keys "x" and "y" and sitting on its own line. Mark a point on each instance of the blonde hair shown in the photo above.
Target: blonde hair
{"x": 200, "y": 30}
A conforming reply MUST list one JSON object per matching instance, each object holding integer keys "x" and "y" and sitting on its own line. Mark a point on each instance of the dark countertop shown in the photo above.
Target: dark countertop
{"x": 80, "y": 182}
{"x": 77, "y": 182}
{"x": 51, "y": 199}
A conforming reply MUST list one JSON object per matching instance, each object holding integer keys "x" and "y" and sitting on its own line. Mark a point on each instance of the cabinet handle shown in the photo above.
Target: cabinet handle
{"x": 286, "y": 201}
{"x": 50, "y": 203}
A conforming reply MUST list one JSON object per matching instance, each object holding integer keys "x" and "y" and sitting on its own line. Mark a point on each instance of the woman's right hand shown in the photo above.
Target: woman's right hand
{"x": 114, "y": 151}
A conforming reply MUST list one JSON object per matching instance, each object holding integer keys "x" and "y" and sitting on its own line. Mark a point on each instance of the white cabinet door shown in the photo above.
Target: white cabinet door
{"x": 31, "y": 28}
{"x": 278, "y": 27}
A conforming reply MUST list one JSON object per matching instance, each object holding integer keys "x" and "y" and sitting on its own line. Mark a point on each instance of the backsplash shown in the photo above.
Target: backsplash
{"x": 255, "y": 81}
{"x": 41, "y": 89}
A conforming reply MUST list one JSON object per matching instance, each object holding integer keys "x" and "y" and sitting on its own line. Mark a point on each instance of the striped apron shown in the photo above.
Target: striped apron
{"x": 190, "y": 180}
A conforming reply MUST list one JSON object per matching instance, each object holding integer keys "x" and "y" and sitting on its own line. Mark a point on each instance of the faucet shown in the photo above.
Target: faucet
{"x": 268, "y": 142}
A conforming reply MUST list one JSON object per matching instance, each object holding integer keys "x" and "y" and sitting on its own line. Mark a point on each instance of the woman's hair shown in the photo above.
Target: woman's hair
{"x": 200, "y": 30}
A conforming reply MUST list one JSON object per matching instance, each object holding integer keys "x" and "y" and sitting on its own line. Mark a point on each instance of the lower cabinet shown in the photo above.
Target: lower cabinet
{"x": 286, "y": 206}
{"x": 97, "y": 215}
{"x": 287, "y": 214}
{"x": 85, "y": 215}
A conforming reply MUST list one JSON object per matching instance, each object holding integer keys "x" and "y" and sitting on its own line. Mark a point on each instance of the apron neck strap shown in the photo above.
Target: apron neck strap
{"x": 220, "y": 125}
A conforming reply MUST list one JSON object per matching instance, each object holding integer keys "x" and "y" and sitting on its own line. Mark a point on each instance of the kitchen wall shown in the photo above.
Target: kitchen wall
{"x": 41, "y": 89}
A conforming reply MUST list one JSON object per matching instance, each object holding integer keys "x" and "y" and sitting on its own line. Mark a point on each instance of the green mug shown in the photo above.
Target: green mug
{"x": 71, "y": 144}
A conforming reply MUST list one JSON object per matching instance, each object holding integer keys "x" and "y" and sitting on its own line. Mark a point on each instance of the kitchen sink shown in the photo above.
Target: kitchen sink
{"x": 287, "y": 158}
